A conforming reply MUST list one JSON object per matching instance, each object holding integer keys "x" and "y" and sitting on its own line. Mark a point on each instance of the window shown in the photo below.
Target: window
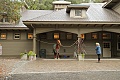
{"x": 106, "y": 35}
{"x": 4, "y": 19}
{"x": 56, "y": 35}
{"x": 43, "y": 36}
{"x": 17, "y": 36}
{"x": 3, "y": 35}
{"x": 69, "y": 35}
{"x": 30, "y": 35}
{"x": 118, "y": 38}
{"x": 106, "y": 45}
{"x": 118, "y": 45}
{"x": 94, "y": 36}
{"x": 1, "y": 18}
{"x": 78, "y": 13}
{"x": 7, "y": 19}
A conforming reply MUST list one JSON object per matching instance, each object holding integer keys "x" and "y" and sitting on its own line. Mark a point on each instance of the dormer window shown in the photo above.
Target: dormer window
{"x": 77, "y": 10}
{"x": 78, "y": 13}
{"x": 3, "y": 17}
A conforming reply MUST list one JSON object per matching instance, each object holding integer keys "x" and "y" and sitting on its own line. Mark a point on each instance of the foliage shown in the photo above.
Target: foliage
{"x": 47, "y": 4}
{"x": 31, "y": 53}
{"x": 40, "y": 4}
{"x": 83, "y": 55}
{"x": 21, "y": 54}
{"x": 11, "y": 8}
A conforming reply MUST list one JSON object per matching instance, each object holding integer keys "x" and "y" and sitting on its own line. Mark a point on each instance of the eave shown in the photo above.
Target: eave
{"x": 70, "y": 22}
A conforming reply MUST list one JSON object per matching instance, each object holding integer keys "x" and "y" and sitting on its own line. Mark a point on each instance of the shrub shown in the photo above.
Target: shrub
{"x": 31, "y": 53}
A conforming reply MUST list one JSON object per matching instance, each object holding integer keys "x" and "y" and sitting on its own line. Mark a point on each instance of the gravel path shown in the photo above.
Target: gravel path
{"x": 88, "y": 75}
{"x": 47, "y": 66}
{"x": 8, "y": 65}
{"x": 42, "y": 69}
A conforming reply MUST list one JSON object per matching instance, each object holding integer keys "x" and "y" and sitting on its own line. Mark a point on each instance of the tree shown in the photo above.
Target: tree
{"x": 40, "y": 4}
{"x": 47, "y": 4}
{"x": 10, "y": 9}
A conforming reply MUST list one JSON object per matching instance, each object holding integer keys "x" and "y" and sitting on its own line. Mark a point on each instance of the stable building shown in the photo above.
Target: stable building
{"x": 39, "y": 29}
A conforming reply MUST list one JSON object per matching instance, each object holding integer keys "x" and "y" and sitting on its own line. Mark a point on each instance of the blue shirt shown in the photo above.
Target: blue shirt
{"x": 98, "y": 50}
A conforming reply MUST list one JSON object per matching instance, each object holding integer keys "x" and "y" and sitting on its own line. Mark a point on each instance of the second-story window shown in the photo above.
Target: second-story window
{"x": 4, "y": 19}
{"x": 1, "y": 20}
{"x": 78, "y": 13}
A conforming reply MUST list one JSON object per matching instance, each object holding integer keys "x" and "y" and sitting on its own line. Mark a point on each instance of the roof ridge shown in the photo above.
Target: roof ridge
{"x": 40, "y": 16}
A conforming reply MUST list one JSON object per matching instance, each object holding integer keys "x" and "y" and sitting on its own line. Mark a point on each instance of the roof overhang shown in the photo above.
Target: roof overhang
{"x": 69, "y": 22}
{"x": 111, "y": 4}
{"x": 76, "y": 6}
{"x": 13, "y": 28}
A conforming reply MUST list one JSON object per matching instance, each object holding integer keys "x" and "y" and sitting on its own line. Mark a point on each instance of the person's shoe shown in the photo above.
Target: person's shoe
{"x": 58, "y": 58}
{"x": 55, "y": 58}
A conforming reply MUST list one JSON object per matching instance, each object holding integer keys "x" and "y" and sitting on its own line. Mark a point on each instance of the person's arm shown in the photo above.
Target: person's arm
{"x": 96, "y": 48}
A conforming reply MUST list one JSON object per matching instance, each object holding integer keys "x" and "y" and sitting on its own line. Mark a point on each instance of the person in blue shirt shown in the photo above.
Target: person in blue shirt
{"x": 98, "y": 51}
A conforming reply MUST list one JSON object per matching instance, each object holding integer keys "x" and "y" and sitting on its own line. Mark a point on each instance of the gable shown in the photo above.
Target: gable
{"x": 111, "y": 4}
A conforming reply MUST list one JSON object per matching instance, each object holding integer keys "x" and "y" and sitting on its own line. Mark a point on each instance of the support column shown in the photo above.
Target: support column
{"x": 34, "y": 40}
{"x": 80, "y": 36}
{"x": 78, "y": 51}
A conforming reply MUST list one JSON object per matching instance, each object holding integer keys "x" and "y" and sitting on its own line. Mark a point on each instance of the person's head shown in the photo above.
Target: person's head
{"x": 97, "y": 44}
{"x": 58, "y": 42}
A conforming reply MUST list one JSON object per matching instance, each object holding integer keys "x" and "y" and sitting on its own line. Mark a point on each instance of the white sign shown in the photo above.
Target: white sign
{"x": 0, "y": 50}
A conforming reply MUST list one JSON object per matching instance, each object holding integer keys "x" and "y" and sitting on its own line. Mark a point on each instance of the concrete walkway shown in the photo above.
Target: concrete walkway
{"x": 70, "y": 65}
{"x": 66, "y": 69}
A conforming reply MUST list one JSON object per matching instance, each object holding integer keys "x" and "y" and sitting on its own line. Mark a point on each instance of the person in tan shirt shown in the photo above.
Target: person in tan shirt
{"x": 58, "y": 44}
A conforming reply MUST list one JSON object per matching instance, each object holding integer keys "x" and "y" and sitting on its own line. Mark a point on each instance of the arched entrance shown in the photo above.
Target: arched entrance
{"x": 46, "y": 40}
{"x": 108, "y": 42}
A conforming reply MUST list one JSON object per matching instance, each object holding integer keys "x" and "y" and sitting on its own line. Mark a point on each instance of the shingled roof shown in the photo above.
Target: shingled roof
{"x": 20, "y": 25}
{"x": 95, "y": 13}
{"x": 28, "y": 14}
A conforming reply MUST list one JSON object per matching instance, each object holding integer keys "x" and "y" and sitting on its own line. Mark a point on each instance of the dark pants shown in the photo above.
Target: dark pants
{"x": 98, "y": 57}
{"x": 54, "y": 53}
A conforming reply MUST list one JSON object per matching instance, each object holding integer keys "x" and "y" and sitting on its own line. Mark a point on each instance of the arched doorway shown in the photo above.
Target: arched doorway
{"x": 46, "y": 40}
